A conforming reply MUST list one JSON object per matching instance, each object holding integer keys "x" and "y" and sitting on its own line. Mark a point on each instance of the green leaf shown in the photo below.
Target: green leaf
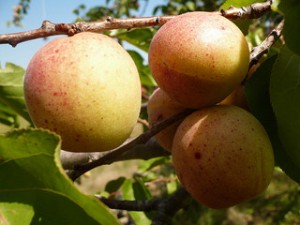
{"x": 10, "y": 213}
{"x": 34, "y": 189}
{"x": 172, "y": 186}
{"x": 144, "y": 70}
{"x": 285, "y": 98}
{"x": 238, "y": 3}
{"x": 139, "y": 38}
{"x": 275, "y": 5}
{"x": 191, "y": 6}
{"x": 133, "y": 190}
{"x": 291, "y": 30}
{"x": 140, "y": 190}
{"x": 258, "y": 96}
{"x": 8, "y": 116}
{"x": 151, "y": 163}
{"x": 114, "y": 185}
{"x": 11, "y": 89}
{"x": 242, "y": 24}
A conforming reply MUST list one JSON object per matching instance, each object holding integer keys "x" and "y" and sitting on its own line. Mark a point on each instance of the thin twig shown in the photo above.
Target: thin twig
{"x": 69, "y": 159}
{"x": 133, "y": 205}
{"x": 111, "y": 156}
{"x": 168, "y": 208}
{"x": 143, "y": 122}
{"x": 145, "y": 151}
{"x": 264, "y": 47}
{"x": 50, "y": 29}
{"x": 165, "y": 207}
{"x": 253, "y": 11}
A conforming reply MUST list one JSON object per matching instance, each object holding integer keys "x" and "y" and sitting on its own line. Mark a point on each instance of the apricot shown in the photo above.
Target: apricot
{"x": 161, "y": 106}
{"x": 222, "y": 156}
{"x": 237, "y": 98}
{"x": 87, "y": 89}
{"x": 198, "y": 58}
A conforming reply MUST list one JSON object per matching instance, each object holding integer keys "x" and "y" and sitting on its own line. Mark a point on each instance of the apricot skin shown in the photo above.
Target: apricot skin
{"x": 86, "y": 88}
{"x": 222, "y": 156}
{"x": 160, "y": 107}
{"x": 198, "y": 58}
{"x": 237, "y": 98}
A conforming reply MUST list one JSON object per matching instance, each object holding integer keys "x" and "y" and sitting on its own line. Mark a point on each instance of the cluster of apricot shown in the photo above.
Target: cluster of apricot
{"x": 221, "y": 153}
{"x": 86, "y": 88}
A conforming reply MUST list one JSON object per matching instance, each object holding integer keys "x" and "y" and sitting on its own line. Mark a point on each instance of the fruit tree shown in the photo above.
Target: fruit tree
{"x": 199, "y": 100}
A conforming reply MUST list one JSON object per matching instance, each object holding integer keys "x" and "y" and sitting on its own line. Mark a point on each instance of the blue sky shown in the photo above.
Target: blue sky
{"x": 54, "y": 10}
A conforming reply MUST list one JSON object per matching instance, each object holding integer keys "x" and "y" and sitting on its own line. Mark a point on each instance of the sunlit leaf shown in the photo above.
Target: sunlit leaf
{"x": 144, "y": 70}
{"x": 34, "y": 188}
{"x": 191, "y": 6}
{"x": 151, "y": 163}
{"x": 140, "y": 38}
{"x": 172, "y": 186}
{"x": 275, "y": 5}
{"x": 238, "y": 3}
{"x": 133, "y": 190}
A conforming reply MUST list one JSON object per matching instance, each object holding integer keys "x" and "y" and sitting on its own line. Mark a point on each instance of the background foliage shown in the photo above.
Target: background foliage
{"x": 32, "y": 155}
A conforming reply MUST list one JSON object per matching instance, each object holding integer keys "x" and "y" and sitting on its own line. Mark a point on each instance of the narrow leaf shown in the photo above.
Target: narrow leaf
{"x": 130, "y": 190}
{"x": 151, "y": 163}
{"x": 114, "y": 185}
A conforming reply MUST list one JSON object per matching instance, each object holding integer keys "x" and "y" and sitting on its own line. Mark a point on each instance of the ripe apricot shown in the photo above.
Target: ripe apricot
{"x": 199, "y": 58}
{"x": 160, "y": 107}
{"x": 87, "y": 89}
{"x": 222, "y": 156}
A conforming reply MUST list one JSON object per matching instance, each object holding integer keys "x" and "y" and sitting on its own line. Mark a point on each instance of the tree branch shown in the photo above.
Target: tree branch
{"x": 145, "y": 151}
{"x": 253, "y": 11}
{"x": 264, "y": 47}
{"x": 50, "y": 29}
{"x": 165, "y": 208}
{"x": 133, "y": 205}
{"x": 113, "y": 155}
{"x": 168, "y": 208}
